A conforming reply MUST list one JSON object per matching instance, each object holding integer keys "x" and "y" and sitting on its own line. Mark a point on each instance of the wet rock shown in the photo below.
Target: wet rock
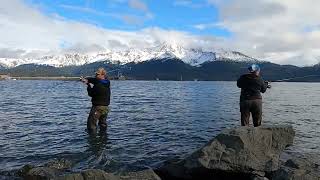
{"x": 257, "y": 177}
{"x": 298, "y": 168}
{"x": 77, "y": 176}
{"x": 60, "y": 164}
{"x": 47, "y": 171}
{"x": 235, "y": 153}
{"x": 41, "y": 173}
{"x": 9, "y": 175}
{"x": 24, "y": 170}
{"x": 173, "y": 169}
{"x": 96, "y": 174}
{"x": 140, "y": 175}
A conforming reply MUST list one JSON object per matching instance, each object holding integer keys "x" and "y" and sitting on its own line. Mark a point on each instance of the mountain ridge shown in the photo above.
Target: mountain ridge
{"x": 191, "y": 56}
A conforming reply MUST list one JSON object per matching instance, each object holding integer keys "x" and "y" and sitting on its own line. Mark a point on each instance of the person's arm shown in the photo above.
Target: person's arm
{"x": 89, "y": 90}
{"x": 239, "y": 82}
{"x": 264, "y": 85}
{"x": 91, "y": 80}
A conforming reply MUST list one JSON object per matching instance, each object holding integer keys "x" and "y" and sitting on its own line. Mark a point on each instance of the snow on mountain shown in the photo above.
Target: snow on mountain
{"x": 234, "y": 56}
{"x": 190, "y": 56}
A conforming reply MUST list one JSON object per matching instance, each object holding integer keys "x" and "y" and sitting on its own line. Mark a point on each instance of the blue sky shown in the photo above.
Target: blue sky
{"x": 179, "y": 15}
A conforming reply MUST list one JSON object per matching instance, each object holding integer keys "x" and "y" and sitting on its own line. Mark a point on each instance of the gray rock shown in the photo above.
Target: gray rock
{"x": 244, "y": 150}
{"x": 96, "y": 174}
{"x": 40, "y": 173}
{"x": 77, "y": 176}
{"x": 24, "y": 170}
{"x": 140, "y": 175}
{"x": 60, "y": 164}
{"x": 258, "y": 178}
{"x": 298, "y": 168}
{"x": 101, "y": 175}
{"x": 48, "y": 171}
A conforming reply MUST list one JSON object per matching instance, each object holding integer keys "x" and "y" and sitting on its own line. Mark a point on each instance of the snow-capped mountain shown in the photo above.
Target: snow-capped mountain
{"x": 190, "y": 56}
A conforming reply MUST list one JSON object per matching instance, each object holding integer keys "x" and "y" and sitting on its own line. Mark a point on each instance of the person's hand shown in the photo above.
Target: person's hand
{"x": 268, "y": 84}
{"x": 84, "y": 80}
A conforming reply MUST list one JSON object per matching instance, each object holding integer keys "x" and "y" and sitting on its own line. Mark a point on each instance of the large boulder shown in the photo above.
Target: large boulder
{"x": 148, "y": 174}
{"x": 61, "y": 164}
{"x": 55, "y": 171}
{"x": 49, "y": 170}
{"x": 41, "y": 173}
{"x": 235, "y": 152}
{"x": 76, "y": 176}
{"x": 97, "y": 174}
{"x": 301, "y": 167}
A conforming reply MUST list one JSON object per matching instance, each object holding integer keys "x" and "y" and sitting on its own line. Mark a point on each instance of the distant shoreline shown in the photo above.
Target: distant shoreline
{"x": 47, "y": 78}
{"x": 76, "y": 78}
{"x": 64, "y": 78}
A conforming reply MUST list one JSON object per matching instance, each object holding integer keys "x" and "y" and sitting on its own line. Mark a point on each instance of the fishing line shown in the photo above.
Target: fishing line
{"x": 299, "y": 77}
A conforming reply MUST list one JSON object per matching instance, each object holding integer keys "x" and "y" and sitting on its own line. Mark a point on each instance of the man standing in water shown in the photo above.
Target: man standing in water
{"x": 99, "y": 90}
{"x": 251, "y": 85}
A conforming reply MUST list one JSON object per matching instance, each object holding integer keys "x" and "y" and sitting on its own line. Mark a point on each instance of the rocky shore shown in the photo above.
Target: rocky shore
{"x": 243, "y": 153}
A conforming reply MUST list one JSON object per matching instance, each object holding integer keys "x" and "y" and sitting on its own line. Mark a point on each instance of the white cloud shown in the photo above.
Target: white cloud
{"x": 11, "y": 53}
{"x": 26, "y": 28}
{"x": 249, "y": 9}
{"x": 205, "y": 26}
{"x": 187, "y": 3}
{"x": 84, "y": 9}
{"x": 131, "y": 19}
{"x": 282, "y": 31}
{"x": 141, "y": 6}
{"x": 126, "y": 18}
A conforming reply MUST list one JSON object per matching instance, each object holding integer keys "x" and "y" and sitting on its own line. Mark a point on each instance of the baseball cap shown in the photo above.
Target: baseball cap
{"x": 254, "y": 68}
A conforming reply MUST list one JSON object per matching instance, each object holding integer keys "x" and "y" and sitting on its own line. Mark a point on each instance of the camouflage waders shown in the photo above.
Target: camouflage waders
{"x": 97, "y": 114}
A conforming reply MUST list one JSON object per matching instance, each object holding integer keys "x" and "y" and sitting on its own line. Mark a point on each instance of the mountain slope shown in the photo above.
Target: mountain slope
{"x": 173, "y": 69}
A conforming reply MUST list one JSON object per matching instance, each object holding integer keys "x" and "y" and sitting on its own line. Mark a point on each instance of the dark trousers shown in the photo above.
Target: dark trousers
{"x": 97, "y": 114}
{"x": 255, "y": 108}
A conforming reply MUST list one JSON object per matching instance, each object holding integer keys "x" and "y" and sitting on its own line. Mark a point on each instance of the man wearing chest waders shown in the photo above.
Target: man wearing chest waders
{"x": 251, "y": 85}
{"x": 99, "y": 90}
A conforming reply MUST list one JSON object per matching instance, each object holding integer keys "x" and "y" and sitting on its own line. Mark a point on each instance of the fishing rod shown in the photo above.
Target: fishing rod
{"x": 299, "y": 77}
{"x": 114, "y": 70}
{"x": 121, "y": 68}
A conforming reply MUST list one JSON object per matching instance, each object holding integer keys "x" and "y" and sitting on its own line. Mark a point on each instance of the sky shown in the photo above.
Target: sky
{"x": 280, "y": 31}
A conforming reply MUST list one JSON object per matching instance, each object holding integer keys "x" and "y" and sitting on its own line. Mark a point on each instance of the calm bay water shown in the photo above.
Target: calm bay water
{"x": 149, "y": 122}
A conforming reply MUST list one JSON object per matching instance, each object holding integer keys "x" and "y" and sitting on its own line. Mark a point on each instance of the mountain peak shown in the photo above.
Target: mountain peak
{"x": 166, "y": 47}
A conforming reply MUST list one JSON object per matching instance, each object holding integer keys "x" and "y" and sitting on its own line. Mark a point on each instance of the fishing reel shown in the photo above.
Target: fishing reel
{"x": 84, "y": 80}
{"x": 268, "y": 84}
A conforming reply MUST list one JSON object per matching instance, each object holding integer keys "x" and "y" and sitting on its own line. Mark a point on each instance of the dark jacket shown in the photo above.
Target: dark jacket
{"x": 100, "y": 92}
{"x": 251, "y": 85}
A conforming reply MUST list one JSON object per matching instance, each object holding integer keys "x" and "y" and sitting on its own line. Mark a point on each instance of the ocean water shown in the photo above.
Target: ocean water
{"x": 149, "y": 122}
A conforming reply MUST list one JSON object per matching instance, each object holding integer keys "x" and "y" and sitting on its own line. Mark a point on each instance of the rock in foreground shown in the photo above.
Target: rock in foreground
{"x": 47, "y": 173}
{"x": 302, "y": 167}
{"x": 244, "y": 151}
